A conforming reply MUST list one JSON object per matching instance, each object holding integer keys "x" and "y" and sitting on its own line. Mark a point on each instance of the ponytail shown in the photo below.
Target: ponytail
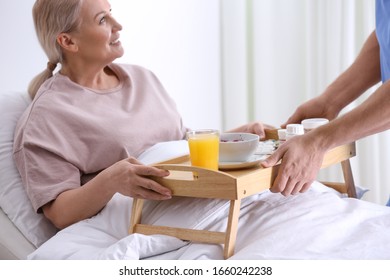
{"x": 51, "y": 18}
{"x": 36, "y": 83}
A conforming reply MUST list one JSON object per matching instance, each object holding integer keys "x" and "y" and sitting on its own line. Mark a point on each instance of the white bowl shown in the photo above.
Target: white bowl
{"x": 237, "y": 147}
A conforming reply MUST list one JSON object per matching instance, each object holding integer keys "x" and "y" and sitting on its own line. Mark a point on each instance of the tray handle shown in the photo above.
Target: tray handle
{"x": 194, "y": 181}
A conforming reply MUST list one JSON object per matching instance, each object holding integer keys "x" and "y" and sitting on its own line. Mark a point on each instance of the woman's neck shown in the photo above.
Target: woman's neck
{"x": 91, "y": 77}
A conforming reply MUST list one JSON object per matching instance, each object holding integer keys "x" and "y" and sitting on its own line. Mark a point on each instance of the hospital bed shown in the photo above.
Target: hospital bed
{"x": 323, "y": 223}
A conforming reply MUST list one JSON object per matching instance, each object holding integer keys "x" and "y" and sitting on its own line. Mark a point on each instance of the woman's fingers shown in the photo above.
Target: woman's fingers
{"x": 152, "y": 186}
{"x": 142, "y": 192}
{"x": 145, "y": 170}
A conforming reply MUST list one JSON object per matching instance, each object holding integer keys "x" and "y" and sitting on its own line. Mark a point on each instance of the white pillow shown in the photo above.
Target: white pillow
{"x": 13, "y": 198}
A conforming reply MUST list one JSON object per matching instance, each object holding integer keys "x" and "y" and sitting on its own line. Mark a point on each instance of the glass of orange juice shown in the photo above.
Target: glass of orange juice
{"x": 204, "y": 148}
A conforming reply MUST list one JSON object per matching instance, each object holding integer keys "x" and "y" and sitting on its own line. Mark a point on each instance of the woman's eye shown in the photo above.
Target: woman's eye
{"x": 104, "y": 17}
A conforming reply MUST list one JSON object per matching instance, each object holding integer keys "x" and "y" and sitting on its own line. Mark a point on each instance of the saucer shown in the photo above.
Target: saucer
{"x": 252, "y": 161}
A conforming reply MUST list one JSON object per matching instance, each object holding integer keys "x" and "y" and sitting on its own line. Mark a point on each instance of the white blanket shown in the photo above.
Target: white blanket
{"x": 319, "y": 224}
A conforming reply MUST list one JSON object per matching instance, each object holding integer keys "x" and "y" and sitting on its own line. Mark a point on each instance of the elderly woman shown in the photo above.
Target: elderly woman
{"x": 89, "y": 122}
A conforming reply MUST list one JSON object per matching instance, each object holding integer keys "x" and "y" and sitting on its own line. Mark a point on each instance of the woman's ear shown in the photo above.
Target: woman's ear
{"x": 67, "y": 43}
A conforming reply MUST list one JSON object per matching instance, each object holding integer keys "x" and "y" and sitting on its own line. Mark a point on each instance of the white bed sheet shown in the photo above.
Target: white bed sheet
{"x": 320, "y": 224}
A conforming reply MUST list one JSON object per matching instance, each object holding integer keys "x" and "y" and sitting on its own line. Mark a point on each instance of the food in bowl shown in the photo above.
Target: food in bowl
{"x": 237, "y": 147}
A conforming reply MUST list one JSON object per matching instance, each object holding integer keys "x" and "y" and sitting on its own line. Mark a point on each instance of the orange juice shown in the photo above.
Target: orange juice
{"x": 204, "y": 148}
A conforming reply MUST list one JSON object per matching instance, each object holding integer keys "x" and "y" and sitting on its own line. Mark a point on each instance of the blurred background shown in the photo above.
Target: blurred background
{"x": 229, "y": 62}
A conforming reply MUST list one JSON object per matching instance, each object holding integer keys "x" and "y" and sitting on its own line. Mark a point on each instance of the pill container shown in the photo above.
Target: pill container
{"x": 282, "y": 135}
{"x": 310, "y": 124}
{"x": 293, "y": 130}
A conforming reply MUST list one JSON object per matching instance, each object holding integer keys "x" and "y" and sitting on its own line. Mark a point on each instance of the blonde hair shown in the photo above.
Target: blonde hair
{"x": 51, "y": 18}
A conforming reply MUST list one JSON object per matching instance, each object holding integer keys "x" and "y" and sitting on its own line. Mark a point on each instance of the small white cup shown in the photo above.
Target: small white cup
{"x": 310, "y": 124}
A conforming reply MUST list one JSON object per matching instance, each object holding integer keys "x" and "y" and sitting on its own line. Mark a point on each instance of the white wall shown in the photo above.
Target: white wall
{"x": 179, "y": 40}
{"x": 21, "y": 55}
{"x": 176, "y": 39}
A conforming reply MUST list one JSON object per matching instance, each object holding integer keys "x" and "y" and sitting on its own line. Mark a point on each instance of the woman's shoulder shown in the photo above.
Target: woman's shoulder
{"x": 52, "y": 103}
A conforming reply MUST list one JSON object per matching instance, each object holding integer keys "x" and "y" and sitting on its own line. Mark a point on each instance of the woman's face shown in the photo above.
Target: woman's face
{"x": 97, "y": 38}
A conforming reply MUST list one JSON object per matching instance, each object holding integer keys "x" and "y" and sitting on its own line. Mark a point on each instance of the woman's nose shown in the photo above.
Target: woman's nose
{"x": 116, "y": 26}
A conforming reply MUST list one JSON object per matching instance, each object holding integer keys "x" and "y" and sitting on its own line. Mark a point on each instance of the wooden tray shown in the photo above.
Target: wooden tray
{"x": 231, "y": 185}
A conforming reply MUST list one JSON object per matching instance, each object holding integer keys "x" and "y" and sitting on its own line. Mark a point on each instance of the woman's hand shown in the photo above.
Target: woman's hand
{"x": 131, "y": 178}
{"x": 128, "y": 177}
{"x": 253, "y": 127}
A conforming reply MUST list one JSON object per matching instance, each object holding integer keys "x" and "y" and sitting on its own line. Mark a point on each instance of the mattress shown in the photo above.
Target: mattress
{"x": 13, "y": 244}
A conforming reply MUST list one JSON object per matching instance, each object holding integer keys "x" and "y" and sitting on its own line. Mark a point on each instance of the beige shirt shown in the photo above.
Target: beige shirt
{"x": 70, "y": 131}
